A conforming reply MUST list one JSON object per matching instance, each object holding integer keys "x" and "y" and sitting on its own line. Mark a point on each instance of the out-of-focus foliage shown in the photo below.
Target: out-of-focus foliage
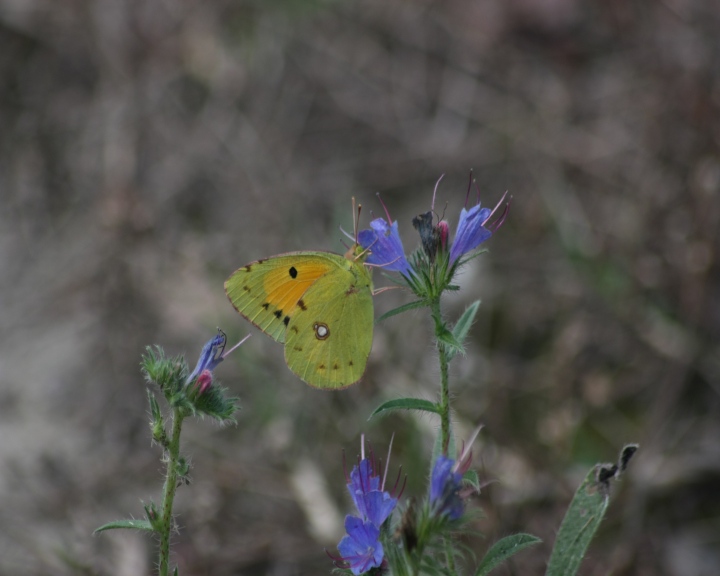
{"x": 147, "y": 149}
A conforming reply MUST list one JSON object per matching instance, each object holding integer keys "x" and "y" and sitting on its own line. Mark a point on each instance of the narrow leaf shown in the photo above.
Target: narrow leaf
{"x": 452, "y": 346}
{"x": 128, "y": 524}
{"x": 504, "y": 549}
{"x": 582, "y": 519}
{"x": 406, "y": 404}
{"x": 400, "y": 310}
{"x": 462, "y": 326}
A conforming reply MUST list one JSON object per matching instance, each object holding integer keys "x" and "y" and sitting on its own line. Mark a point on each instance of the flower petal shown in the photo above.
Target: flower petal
{"x": 210, "y": 356}
{"x": 386, "y": 249}
{"x": 378, "y": 506}
{"x": 445, "y": 489}
{"x": 470, "y": 231}
{"x": 361, "y": 548}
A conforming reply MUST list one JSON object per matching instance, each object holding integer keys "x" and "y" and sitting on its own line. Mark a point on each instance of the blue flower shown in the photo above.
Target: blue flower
{"x": 385, "y": 247}
{"x": 361, "y": 548}
{"x": 372, "y": 502}
{"x": 471, "y": 231}
{"x": 445, "y": 486}
{"x": 211, "y": 355}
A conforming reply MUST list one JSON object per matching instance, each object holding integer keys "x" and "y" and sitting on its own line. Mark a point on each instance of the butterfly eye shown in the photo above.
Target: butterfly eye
{"x": 321, "y": 331}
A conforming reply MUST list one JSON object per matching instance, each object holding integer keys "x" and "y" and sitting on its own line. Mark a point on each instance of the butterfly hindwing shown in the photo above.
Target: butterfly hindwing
{"x": 329, "y": 338}
{"x": 268, "y": 292}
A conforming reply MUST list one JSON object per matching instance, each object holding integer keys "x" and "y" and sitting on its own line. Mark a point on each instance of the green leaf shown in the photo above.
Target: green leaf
{"x": 406, "y": 404}
{"x": 400, "y": 310}
{"x": 471, "y": 477}
{"x": 446, "y": 339}
{"x": 127, "y": 524}
{"x": 503, "y": 549}
{"x": 462, "y": 326}
{"x": 582, "y": 519}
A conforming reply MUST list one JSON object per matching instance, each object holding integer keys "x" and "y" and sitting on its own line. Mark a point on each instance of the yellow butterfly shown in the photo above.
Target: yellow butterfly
{"x": 319, "y": 304}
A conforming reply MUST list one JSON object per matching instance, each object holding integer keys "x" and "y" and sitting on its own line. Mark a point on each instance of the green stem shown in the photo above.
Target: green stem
{"x": 173, "y": 453}
{"x": 444, "y": 402}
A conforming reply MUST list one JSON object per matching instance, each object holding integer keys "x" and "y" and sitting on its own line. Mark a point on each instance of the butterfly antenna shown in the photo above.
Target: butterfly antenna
{"x": 356, "y": 218}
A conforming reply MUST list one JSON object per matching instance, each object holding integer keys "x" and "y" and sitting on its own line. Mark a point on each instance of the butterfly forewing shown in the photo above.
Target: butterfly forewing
{"x": 269, "y": 292}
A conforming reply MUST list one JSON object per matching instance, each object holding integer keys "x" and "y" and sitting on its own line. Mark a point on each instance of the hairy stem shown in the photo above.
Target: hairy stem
{"x": 172, "y": 455}
{"x": 444, "y": 402}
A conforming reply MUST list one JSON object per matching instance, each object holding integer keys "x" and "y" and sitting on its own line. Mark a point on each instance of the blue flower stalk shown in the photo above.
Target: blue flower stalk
{"x": 429, "y": 271}
{"x": 361, "y": 548}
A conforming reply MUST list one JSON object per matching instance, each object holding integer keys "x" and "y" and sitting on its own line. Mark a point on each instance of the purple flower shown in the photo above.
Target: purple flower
{"x": 368, "y": 491}
{"x": 386, "y": 249}
{"x": 361, "y": 548}
{"x": 371, "y": 501}
{"x": 470, "y": 231}
{"x": 445, "y": 486}
{"x": 211, "y": 355}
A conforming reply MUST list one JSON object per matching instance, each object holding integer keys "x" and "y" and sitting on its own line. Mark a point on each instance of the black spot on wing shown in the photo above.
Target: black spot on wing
{"x": 302, "y": 305}
{"x": 278, "y": 314}
{"x": 293, "y": 272}
{"x": 286, "y": 320}
{"x": 266, "y": 305}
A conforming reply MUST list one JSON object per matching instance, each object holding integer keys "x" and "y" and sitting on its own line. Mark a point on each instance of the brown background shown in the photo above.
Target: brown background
{"x": 147, "y": 149}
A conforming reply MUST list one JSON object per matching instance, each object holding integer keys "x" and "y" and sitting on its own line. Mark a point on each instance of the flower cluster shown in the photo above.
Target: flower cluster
{"x": 383, "y": 240}
{"x": 361, "y": 549}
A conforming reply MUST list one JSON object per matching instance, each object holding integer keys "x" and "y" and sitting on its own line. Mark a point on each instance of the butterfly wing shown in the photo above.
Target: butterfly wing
{"x": 268, "y": 292}
{"x": 329, "y": 338}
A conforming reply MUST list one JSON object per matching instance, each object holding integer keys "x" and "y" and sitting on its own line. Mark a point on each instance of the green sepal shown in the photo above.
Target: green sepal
{"x": 153, "y": 517}
{"x": 406, "y": 404}
{"x": 462, "y": 326}
{"x": 581, "y": 521}
{"x": 182, "y": 469}
{"x": 126, "y": 524}
{"x": 400, "y": 310}
{"x": 169, "y": 374}
{"x": 504, "y": 549}
{"x": 212, "y": 402}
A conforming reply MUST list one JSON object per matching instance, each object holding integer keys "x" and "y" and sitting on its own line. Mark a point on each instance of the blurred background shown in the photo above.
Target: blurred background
{"x": 148, "y": 149}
